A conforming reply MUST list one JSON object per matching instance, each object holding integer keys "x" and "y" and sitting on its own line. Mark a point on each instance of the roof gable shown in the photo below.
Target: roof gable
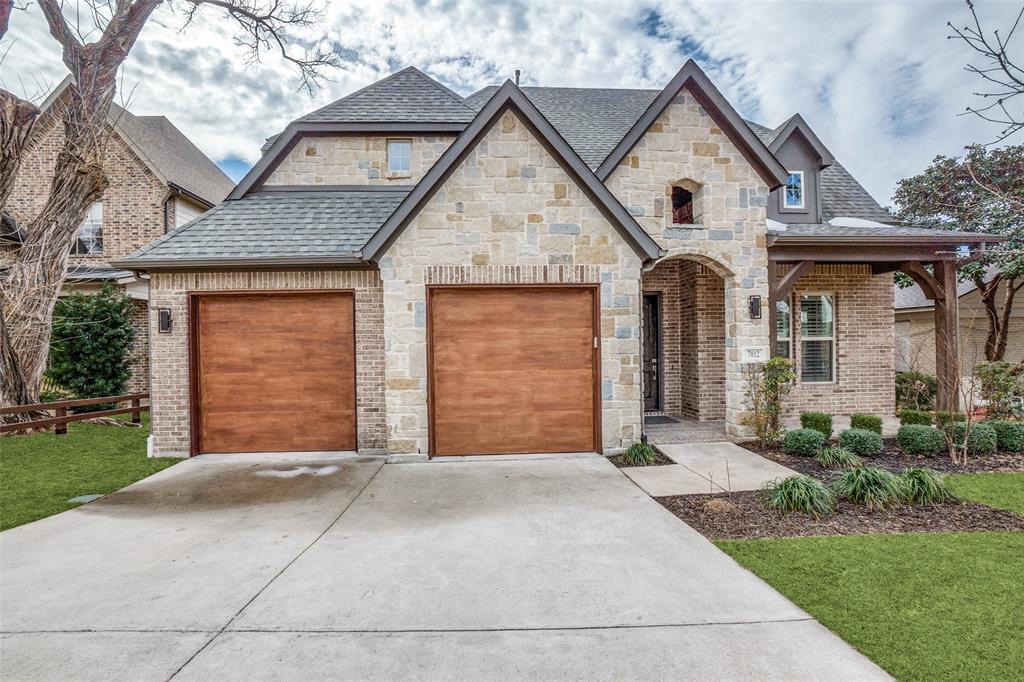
{"x": 707, "y": 95}
{"x": 797, "y": 125}
{"x": 510, "y": 97}
{"x": 407, "y": 95}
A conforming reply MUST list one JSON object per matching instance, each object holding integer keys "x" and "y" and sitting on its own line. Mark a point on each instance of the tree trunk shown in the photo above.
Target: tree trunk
{"x": 1004, "y": 317}
{"x": 988, "y": 292}
{"x": 17, "y": 117}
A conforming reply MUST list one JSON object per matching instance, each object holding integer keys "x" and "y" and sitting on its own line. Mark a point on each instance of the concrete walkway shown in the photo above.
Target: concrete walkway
{"x": 239, "y": 568}
{"x": 703, "y": 468}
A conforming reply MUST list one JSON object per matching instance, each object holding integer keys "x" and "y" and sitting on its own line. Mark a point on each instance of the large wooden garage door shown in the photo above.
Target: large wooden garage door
{"x": 275, "y": 372}
{"x": 513, "y": 369}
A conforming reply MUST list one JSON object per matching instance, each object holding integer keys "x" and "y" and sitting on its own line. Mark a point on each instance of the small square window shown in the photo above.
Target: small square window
{"x": 793, "y": 194}
{"x": 400, "y": 156}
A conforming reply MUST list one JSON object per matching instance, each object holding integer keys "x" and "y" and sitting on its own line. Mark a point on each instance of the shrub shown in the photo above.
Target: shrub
{"x": 920, "y": 440}
{"x": 944, "y": 419}
{"x": 803, "y": 442}
{"x": 837, "y": 458}
{"x": 819, "y": 421}
{"x": 982, "y": 440}
{"x": 767, "y": 384}
{"x": 873, "y": 487}
{"x": 639, "y": 455}
{"x": 924, "y": 486}
{"x": 908, "y": 416}
{"x": 798, "y": 493}
{"x": 1009, "y": 435}
{"x": 1001, "y": 381}
{"x": 915, "y": 390}
{"x": 861, "y": 441}
{"x": 90, "y": 343}
{"x": 868, "y": 422}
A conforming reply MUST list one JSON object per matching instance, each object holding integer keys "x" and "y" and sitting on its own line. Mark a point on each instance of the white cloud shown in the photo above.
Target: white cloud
{"x": 879, "y": 82}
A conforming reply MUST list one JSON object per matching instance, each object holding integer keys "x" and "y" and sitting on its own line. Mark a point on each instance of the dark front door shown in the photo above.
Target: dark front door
{"x": 652, "y": 352}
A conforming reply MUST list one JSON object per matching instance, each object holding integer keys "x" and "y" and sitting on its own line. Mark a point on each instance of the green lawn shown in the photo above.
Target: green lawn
{"x": 923, "y": 606}
{"x": 1003, "y": 490}
{"x": 41, "y": 472}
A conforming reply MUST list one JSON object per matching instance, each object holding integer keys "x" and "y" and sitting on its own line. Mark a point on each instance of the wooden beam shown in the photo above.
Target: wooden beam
{"x": 930, "y": 285}
{"x": 773, "y": 311}
{"x": 947, "y": 342}
{"x": 790, "y": 278}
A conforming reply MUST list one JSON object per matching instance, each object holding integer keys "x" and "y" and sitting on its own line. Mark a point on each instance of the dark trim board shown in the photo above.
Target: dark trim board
{"x": 595, "y": 293}
{"x": 195, "y": 370}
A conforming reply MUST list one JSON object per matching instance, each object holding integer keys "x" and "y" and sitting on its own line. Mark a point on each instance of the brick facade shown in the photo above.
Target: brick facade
{"x": 139, "y": 353}
{"x": 509, "y": 214}
{"x": 864, "y": 351}
{"x": 355, "y": 160}
{"x": 169, "y": 364}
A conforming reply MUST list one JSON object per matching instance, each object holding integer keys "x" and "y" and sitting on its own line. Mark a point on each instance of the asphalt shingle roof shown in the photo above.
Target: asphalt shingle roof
{"x": 913, "y": 297}
{"x": 826, "y": 230}
{"x": 406, "y": 96}
{"x": 278, "y": 224}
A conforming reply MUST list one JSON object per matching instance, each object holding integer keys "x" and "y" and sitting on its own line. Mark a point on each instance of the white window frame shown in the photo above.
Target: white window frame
{"x": 396, "y": 140}
{"x": 803, "y": 191}
{"x": 789, "y": 338}
{"x": 832, "y": 338}
{"x": 76, "y": 249}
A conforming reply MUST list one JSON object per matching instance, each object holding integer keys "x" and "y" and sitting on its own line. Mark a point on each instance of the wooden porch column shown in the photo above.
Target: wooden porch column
{"x": 947, "y": 341}
{"x": 777, "y": 291}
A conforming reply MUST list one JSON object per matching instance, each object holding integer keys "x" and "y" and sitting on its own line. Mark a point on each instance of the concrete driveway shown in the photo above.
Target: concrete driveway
{"x": 287, "y": 568}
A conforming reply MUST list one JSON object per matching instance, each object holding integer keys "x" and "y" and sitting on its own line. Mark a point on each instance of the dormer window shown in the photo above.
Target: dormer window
{"x": 793, "y": 196}
{"x": 686, "y": 203}
{"x": 399, "y": 156}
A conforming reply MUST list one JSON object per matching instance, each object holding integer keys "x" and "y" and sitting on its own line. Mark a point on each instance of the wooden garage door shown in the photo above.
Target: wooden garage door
{"x": 513, "y": 369}
{"x": 276, "y": 372}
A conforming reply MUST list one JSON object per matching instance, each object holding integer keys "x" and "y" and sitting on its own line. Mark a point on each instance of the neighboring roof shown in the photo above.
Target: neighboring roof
{"x": 90, "y": 273}
{"x": 509, "y": 96}
{"x": 10, "y": 230}
{"x": 307, "y": 227}
{"x": 909, "y": 298}
{"x": 407, "y": 95}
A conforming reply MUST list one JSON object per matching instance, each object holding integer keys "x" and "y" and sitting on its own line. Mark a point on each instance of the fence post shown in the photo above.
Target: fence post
{"x": 136, "y": 414}
{"x": 61, "y": 429}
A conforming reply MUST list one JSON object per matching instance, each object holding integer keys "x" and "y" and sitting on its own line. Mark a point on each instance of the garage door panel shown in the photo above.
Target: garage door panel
{"x": 276, "y": 372}
{"x": 513, "y": 369}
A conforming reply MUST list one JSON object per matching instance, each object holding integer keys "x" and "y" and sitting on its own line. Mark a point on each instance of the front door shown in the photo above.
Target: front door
{"x": 652, "y": 352}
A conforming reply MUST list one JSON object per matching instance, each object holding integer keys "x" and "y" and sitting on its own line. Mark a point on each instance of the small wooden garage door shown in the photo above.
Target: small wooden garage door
{"x": 276, "y": 372}
{"x": 513, "y": 369}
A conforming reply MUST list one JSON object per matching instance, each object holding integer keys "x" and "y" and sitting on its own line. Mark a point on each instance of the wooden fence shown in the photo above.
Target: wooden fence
{"x": 61, "y": 418}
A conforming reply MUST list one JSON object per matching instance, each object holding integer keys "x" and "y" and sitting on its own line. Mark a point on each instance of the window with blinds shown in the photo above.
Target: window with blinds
{"x": 817, "y": 338}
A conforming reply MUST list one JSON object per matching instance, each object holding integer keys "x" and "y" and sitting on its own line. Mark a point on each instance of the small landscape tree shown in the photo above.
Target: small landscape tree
{"x": 767, "y": 386}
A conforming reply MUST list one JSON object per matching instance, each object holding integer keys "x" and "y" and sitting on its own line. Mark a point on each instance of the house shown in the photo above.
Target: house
{"x": 522, "y": 270}
{"x": 159, "y": 180}
{"x": 915, "y": 328}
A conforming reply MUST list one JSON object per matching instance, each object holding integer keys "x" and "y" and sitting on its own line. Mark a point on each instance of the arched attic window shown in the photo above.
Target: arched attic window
{"x": 687, "y": 202}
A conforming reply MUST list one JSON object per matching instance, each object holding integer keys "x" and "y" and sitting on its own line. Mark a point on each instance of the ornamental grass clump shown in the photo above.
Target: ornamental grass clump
{"x": 920, "y": 440}
{"x": 798, "y": 494}
{"x": 819, "y": 421}
{"x": 1009, "y": 435}
{"x": 837, "y": 457}
{"x": 803, "y": 442}
{"x": 909, "y": 416}
{"x": 924, "y": 486}
{"x": 639, "y": 455}
{"x": 861, "y": 442}
{"x": 872, "y": 487}
{"x": 868, "y": 422}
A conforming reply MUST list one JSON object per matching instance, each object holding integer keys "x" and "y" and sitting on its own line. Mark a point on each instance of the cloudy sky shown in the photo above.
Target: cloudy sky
{"x": 878, "y": 81}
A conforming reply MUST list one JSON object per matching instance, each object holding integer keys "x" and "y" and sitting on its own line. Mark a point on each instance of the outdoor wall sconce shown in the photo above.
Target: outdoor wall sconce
{"x": 164, "y": 315}
{"x": 755, "y": 307}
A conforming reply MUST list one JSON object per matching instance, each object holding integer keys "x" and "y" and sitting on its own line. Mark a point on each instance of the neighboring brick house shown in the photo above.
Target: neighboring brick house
{"x": 159, "y": 181}
{"x": 915, "y": 328}
{"x": 522, "y": 270}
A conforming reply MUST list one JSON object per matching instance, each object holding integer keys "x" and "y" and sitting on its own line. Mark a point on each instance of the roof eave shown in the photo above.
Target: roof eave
{"x": 275, "y": 263}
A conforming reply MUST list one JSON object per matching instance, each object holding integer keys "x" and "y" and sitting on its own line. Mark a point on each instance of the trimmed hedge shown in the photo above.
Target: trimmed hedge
{"x": 908, "y": 416}
{"x": 803, "y": 442}
{"x": 819, "y": 421}
{"x": 920, "y": 440}
{"x": 982, "y": 441}
{"x": 943, "y": 419}
{"x": 1009, "y": 435}
{"x": 861, "y": 441}
{"x": 868, "y": 422}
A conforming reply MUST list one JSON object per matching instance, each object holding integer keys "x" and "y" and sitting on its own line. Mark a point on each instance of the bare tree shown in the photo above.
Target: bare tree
{"x": 37, "y": 272}
{"x": 1004, "y": 78}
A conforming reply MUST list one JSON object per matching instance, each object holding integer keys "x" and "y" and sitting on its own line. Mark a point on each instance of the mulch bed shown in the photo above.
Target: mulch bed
{"x": 740, "y": 516}
{"x": 659, "y": 460}
{"x": 894, "y": 460}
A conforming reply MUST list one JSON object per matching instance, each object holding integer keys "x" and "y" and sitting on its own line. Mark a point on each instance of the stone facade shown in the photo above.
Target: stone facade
{"x": 685, "y": 147}
{"x": 864, "y": 353}
{"x": 355, "y": 160}
{"x": 509, "y": 214}
{"x": 169, "y": 359}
